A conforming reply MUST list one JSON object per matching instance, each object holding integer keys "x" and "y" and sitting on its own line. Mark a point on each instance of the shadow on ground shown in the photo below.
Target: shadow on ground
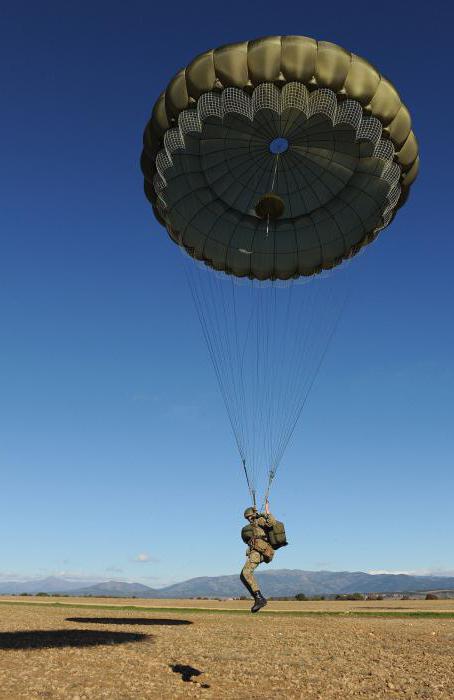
{"x": 42, "y": 639}
{"x": 129, "y": 620}
{"x": 187, "y": 673}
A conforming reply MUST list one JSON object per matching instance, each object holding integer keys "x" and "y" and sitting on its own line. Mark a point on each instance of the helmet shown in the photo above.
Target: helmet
{"x": 250, "y": 511}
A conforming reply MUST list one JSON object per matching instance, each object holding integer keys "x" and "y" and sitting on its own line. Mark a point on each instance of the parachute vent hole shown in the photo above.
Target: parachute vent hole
{"x": 279, "y": 145}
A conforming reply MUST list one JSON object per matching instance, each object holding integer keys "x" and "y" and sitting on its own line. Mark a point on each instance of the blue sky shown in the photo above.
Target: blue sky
{"x": 113, "y": 438}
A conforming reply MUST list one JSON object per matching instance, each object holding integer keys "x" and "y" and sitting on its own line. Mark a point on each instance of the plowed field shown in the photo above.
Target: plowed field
{"x": 74, "y": 651}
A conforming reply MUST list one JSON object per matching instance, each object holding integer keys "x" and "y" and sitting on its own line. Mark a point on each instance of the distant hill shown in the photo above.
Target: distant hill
{"x": 288, "y": 582}
{"x": 280, "y": 582}
{"x": 51, "y": 584}
{"x": 117, "y": 588}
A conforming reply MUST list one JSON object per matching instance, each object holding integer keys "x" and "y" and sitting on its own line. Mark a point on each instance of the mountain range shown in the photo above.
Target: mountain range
{"x": 279, "y": 582}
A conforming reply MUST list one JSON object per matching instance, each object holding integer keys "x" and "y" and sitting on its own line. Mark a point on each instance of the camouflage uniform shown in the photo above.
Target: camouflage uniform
{"x": 259, "y": 550}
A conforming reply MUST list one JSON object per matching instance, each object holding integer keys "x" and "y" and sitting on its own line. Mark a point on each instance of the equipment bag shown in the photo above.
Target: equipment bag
{"x": 247, "y": 533}
{"x": 276, "y": 535}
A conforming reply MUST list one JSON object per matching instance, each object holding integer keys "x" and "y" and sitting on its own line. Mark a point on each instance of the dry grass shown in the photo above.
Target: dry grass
{"x": 126, "y": 654}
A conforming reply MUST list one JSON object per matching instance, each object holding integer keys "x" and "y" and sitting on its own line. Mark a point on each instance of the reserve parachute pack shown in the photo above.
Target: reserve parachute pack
{"x": 276, "y": 535}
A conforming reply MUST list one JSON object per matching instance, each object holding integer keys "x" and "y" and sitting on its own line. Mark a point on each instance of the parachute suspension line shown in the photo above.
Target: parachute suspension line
{"x": 212, "y": 352}
{"x": 267, "y": 348}
{"x": 254, "y": 418}
{"x": 283, "y": 385}
{"x": 218, "y": 339}
{"x": 240, "y": 366}
{"x": 248, "y": 421}
{"x": 301, "y": 359}
{"x": 274, "y": 372}
{"x": 297, "y": 414}
{"x": 263, "y": 343}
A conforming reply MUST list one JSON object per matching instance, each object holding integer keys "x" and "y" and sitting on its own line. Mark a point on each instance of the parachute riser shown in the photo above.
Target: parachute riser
{"x": 252, "y": 492}
{"x": 271, "y": 475}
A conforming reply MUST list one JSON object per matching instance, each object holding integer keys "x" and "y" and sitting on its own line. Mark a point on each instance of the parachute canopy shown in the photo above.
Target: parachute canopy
{"x": 278, "y": 157}
{"x": 274, "y": 160}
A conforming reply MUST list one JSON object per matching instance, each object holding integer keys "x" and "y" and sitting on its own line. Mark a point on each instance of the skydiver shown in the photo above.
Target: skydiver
{"x": 259, "y": 550}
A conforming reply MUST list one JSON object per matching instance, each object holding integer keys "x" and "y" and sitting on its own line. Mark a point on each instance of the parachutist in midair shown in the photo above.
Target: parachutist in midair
{"x": 346, "y": 185}
{"x": 263, "y": 535}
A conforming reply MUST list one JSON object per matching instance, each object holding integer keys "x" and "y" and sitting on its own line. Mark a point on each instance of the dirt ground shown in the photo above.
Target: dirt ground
{"x": 78, "y": 653}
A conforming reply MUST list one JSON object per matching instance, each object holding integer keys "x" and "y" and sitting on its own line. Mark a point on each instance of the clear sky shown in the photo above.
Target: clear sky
{"x": 114, "y": 444}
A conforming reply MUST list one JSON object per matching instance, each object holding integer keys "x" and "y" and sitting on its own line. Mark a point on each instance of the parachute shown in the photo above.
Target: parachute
{"x": 271, "y": 162}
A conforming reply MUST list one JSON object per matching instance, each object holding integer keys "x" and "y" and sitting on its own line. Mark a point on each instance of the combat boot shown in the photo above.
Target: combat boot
{"x": 260, "y": 602}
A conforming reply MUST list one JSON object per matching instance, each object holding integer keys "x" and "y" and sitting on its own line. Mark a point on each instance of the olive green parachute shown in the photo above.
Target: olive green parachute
{"x": 271, "y": 161}
{"x": 278, "y": 157}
